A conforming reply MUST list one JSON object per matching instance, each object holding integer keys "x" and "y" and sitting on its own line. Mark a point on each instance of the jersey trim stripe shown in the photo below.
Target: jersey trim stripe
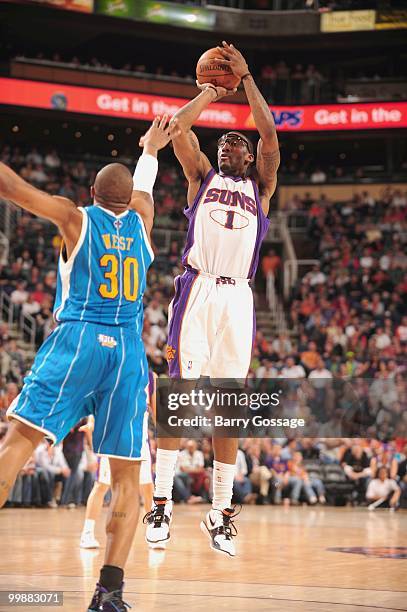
{"x": 114, "y": 389}
{"x": 135, "y": 415}
{"x": 82, "y": 235}
{"x": 205, "y": 183}
{"x": 46, "y": 432}
{"x": 146, "y": 240}
{"x": 182, "y": 320}
{"x": 65, "y": 267}
{"x": 89, "y": 272}
{"x": 122, "y": 457}
{"x": 68, "y": 373}
{"x": 143, "y": 275}
{"x": 263, "y": 223}
{"x": 191, "y": 212}
{"x": 116, "y": 319}
{"x": 56, "y": 333}
{"x": 110, "y": 212}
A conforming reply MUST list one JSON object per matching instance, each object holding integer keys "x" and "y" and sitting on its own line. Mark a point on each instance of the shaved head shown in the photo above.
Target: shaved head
{"x": 113, "y": 186}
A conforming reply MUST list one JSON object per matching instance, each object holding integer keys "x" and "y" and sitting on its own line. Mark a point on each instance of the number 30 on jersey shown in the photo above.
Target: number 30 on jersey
{"x": 114, "y": 277}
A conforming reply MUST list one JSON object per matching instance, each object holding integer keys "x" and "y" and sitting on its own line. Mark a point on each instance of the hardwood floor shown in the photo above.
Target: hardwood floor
{"x": 284, "y": 561}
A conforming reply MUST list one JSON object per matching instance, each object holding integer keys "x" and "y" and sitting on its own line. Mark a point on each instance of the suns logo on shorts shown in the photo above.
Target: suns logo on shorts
{"x": 107, "y": 341}
{"x": 170, "y": 352}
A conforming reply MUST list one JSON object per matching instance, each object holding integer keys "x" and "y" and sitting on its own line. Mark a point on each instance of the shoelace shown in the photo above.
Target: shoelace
{"x": 155, "y": 515}
{"x": 110, "y": 597}
{"x": 229, "y": 527}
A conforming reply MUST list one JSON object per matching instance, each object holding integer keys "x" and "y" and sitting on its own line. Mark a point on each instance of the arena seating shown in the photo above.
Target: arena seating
{"x": 347, "y": 313}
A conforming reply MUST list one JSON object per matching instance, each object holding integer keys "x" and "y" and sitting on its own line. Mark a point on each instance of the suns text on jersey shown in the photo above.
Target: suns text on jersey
{"x": 231, "y": 198}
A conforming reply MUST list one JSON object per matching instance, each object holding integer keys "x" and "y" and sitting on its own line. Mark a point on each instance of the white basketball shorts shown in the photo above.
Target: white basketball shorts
{"x": 211, "y": 327}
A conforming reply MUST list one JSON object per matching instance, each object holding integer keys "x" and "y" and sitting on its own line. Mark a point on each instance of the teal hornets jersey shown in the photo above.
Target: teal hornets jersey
{"x": 104, "y": 279}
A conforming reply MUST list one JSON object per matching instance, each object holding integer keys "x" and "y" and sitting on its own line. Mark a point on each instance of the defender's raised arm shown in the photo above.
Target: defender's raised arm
{"x": 156, "y": 138}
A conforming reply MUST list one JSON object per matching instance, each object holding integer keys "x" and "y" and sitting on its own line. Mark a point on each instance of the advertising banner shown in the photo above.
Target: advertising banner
{"x": 348, "y": 21}
{"x": 115, "y": 8}
{"x": 391, "y": 20}
{"x": 158, "y": 12}
{"x": 222, "y": 115}
{"x": 83, "y": 6}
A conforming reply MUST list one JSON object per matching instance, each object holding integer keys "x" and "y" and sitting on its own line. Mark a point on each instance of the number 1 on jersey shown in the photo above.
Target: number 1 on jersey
{"x": 229, "y": 219}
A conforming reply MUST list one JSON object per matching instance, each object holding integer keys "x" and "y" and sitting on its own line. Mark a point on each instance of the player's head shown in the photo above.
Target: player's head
{"x": 113, "y": 187}
{"x": 235, "y": 154}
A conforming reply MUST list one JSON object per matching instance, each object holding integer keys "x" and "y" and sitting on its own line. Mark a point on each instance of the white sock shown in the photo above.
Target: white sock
{"x": 223, "y": 476}
{"x": 89, "y": 526}
{"x": 164, "y": 472}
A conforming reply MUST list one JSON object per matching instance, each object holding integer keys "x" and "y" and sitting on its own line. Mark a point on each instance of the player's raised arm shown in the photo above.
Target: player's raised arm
{"x": 194, "y": 163}
{"x": 59, "y": 210}
{"x": 157, "y": 137}
{"x": 268, "y": 152}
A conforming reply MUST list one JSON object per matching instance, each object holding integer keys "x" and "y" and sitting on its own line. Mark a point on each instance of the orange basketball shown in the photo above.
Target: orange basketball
{"x": 211, "y": 70}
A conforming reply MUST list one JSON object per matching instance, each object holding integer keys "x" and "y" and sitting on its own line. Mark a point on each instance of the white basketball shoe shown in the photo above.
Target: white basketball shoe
{"x": 220, "y": 529}
{"x": 158, "y": 522}
{"x": 88, "y": 540}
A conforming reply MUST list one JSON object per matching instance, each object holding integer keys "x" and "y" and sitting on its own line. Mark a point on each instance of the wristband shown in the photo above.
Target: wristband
{"x": 212, "y": 87}
{"x": 145, "y": 173}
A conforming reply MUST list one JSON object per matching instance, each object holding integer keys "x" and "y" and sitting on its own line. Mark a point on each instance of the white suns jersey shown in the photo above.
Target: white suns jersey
{"x": 226, "y": 227}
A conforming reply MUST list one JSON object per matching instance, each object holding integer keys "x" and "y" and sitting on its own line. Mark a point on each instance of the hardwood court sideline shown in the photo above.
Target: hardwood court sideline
{"x": 284, "y": 561}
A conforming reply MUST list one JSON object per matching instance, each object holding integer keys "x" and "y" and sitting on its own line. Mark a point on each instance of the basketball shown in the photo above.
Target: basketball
{"x": 209, "y": 69}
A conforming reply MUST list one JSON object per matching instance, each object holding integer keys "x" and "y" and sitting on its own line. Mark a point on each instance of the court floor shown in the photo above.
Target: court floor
{"x": 288, "y": 560}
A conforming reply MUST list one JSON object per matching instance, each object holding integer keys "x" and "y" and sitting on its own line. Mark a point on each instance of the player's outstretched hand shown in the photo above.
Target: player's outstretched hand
{"x": 160, "y": 133}
{"x": 220, "y": 92}
{"x": 232, "y": 56}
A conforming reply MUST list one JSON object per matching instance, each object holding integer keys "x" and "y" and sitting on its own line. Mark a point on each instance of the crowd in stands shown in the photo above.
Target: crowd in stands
{"x": 350, "y": 322}
{"x": 349, "y": 309}
{"x": 275, "y": 471}
{"x": 349, "y": 312}
{"x": 279, "y": 82}
{"x": 294, "y": 171}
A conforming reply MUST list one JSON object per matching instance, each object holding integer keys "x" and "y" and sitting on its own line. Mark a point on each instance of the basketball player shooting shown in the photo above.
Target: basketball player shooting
{"x": 96, "y": 351}
{"x": 211, "y": 324}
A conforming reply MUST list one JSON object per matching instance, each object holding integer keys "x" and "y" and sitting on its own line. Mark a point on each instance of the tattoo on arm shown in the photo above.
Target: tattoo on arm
{"x": 269, "y": 164}
{"x": 195, "y": 146}
{"x": 4, "y": 485}
{"x": 119, "y": 515}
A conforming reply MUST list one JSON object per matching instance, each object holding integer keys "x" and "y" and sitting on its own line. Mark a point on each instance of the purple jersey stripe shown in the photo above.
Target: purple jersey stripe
{"x": 190, "y": 213}
{"x": 262, "y": 226}
{"x": 254, "y": 326}
{"x": 98, "y": 469}
{"x": 183, "y": 290}
{"x": 236, "y": 179}
{"x": 151, "y": 385}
